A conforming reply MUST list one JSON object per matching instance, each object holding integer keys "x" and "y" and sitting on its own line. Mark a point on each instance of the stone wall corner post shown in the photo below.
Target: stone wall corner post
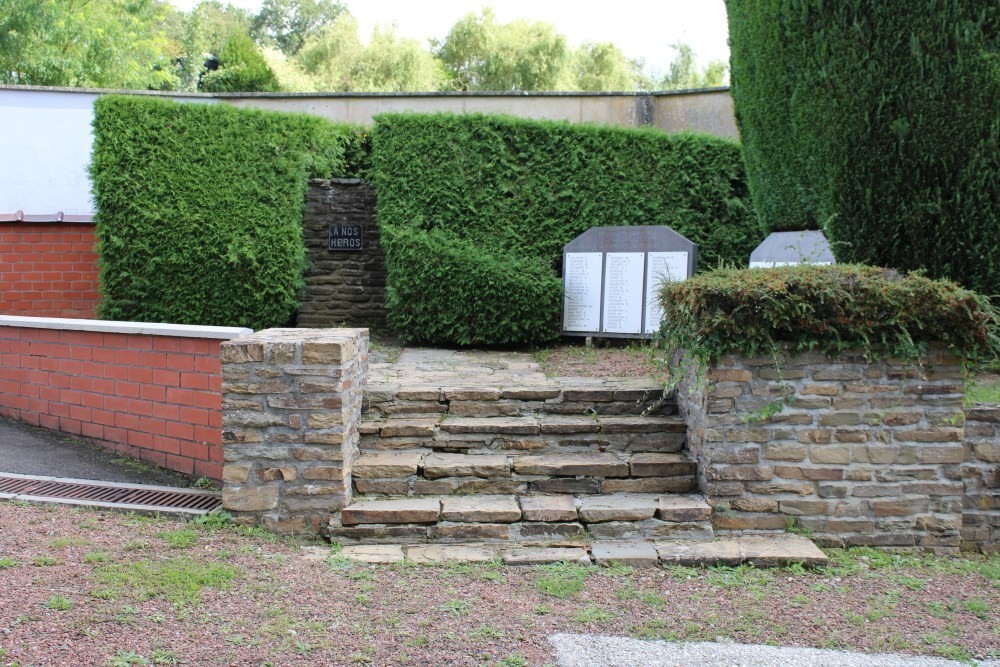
{"x": 291, "y": 414}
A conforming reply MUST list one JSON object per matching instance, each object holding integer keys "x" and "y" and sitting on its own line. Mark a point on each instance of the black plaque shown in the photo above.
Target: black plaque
{"x": 346, "y": 238}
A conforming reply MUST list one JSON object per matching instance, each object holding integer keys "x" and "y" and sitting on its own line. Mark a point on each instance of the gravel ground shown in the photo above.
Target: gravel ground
{"x": 589, "y": 650}
{"x": 89, "y": 587}
{"x": 610, "y": 359}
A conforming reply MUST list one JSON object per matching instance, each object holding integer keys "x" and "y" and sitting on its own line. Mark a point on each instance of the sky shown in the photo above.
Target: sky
{"x": 640, "y": 28}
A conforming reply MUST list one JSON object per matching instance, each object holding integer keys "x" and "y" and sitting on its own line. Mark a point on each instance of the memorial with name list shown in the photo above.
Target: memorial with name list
{"x": 611, "y": 277}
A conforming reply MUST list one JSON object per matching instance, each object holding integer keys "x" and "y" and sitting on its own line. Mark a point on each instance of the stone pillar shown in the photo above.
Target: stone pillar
{"x": 856, "y": 453}
{"x": 291, "y": 411}
{"x": 981, "y": 476}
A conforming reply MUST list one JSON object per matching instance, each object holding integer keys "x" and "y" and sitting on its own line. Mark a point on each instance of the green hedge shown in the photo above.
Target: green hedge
{"x": 199, "y": 209}
{"x": 522, "y": 189}
{"x": 877, "y": 119}
{"x": 441, "y": 289}
{"x": 826, "y": 308}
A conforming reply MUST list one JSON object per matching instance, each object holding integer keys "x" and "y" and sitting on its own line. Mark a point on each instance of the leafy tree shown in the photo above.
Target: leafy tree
{"x": 336, "y": 60}
{"x": 683, "y": 73}
{"x": 289, "y": 23}
{"x": 481, "y": 54}
{"x": 100, "y": 43}
{"x": 242, "y": 68}
{"x": 603, "y": 66}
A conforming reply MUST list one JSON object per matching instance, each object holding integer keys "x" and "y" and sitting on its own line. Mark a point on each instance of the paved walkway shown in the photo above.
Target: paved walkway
{"x": 590, "y": 650}
{"x": 36, "y": 451}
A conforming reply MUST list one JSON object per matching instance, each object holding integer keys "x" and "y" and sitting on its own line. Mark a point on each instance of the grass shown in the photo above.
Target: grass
{"x": 179, "y": 580}
{"x": 7, "y": 563}
{"x": 562, "y": 580}
{"x": 179, "y": 539}
{"x": 984, "y": 388}
{"x": 59, "y": 603}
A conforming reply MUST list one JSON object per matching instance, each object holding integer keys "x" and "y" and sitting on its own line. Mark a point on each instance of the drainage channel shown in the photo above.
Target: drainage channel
{"x": 113, "y": 495}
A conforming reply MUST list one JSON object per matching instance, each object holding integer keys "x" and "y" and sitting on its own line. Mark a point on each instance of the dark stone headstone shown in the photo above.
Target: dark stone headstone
{"x": 612, "y": 275}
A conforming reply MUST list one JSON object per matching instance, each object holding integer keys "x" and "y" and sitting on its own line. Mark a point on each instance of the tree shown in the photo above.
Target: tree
{"x": 242, "y": 68}
{"x": 289, "y": 23}
{"x": 100, "y": 43}
{"x": 336, "y": 60}
{"x": 481, "y": 54}
{"x": 603, "y": 66}
{"x": 876, "y": 120}
{"x": 684, "y": 75}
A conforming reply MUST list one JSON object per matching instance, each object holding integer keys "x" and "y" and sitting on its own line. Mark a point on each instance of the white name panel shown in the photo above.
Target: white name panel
{"x": 661, "y": 267}
{"x": 623, "y": 274}
{"x": 582, "y": 300}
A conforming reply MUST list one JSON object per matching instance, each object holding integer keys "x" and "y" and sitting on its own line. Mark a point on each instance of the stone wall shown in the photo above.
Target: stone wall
{"x": 981, "y": 477}
{"x": 857, "y": 453}
{"x": 342, "y": 288}
{"x": 291, "y": 401}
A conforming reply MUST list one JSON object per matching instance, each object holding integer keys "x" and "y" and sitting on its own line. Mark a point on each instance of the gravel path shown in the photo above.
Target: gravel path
{"x": 87, "y": 587}
{"x": 590, "y": 650}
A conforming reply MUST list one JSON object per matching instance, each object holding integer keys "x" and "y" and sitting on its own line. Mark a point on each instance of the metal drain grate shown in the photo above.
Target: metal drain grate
{"x": 108, "y": 494}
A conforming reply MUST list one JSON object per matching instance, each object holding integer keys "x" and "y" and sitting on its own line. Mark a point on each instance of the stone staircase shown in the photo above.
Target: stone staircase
{"x": 538, "y": 461}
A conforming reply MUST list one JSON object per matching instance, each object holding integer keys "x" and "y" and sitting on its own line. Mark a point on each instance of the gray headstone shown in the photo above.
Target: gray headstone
{"x": 791, "y": 248}
{"x": 612, "y": 275}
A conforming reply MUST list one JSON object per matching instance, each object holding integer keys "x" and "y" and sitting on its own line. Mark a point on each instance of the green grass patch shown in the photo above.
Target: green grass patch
{"x": 184, "y": 538}
{"x": 179, "y": 580}
{"x": 562, "y": 580}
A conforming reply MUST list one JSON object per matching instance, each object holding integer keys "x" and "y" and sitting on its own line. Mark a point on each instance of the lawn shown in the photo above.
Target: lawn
{"x": 82, "y": 586}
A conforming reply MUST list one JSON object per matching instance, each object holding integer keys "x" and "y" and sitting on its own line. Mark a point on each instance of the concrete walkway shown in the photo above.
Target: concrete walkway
{"x": 590, "y": 650}
{"x": 36, "y": 451}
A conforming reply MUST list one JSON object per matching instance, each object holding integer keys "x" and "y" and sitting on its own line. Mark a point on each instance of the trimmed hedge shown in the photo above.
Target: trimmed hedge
{"x": 516, "y": 188}
{"x": 441, "y": 289}
{"x": 825, "y": 308}
{"x": 877, "y": 120}
{"x": 199, "y": 209}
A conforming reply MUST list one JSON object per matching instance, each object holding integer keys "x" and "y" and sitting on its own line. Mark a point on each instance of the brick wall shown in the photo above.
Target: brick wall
{"x": 342, "y": 288}
{"x": 857, "y": 453}
{"x": 153, "y": 397}
{"x": 48, "y": 269}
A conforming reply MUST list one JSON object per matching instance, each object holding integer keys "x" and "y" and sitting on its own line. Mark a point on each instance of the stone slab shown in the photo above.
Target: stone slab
{"x": 374, "y": 553}
{"x": 548, "y": 508}
{"x": 410, "y": 510}
{"x": 636, "y": 554}
{"x": 642, "y": 425}
{"x": 466, "y": 465}
{"x": 682, "y": 509}
{"x": 423, "y": 428}
{"x": 693, "y": 553}
{"x": 597, "y": 464}
{"x": 480, "y": 509}
{"x": 546, "y": 555}
{"x": 780, "y": 549}
{"x": 662, "y": 465}
{"x": 562, "y": 425}
{"x": 386, "y": 465}
{"x": 494, "y": 425}
{"x": 434, "y": 554}
{"x": 596, "y": 509}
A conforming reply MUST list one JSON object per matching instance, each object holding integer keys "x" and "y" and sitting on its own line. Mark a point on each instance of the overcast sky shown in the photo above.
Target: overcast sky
{"x": 641, "y": 28}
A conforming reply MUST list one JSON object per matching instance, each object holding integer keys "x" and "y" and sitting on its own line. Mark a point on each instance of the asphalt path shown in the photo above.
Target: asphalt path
{"x": 36, "y": 451}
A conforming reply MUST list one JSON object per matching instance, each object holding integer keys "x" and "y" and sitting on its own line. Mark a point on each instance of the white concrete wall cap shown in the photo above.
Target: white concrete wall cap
{"x": 102, "y": 326}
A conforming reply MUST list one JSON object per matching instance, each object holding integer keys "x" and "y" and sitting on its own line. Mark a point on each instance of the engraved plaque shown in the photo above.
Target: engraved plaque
{"x": 623, "y": 274}
{"x": 582, "y": 301}
{"x": 661, "y": 267}
{"x": 346, "y": 238}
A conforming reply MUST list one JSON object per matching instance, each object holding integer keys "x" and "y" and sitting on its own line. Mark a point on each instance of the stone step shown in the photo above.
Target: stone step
{"x": 418, "y": 472}
{"x": 535, "y": 433}
{"x": 568, "y": 396}
{"x": 772, "y": 550}
{"x": 522, "y": 518}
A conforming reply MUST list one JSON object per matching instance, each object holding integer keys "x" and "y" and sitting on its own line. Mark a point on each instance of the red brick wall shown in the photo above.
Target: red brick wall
{"x": 156, "y": 398}
{"x": 48, "y": 269}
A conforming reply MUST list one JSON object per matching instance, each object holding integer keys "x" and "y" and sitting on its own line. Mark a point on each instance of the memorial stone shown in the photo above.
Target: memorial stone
{"x": 612, "y": 277}
{"x": 792, "y": 248}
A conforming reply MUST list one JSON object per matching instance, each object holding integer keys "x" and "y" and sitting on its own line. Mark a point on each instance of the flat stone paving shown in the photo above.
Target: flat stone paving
{"x": 455, "y": 369}
{"x": 780, "y": 550}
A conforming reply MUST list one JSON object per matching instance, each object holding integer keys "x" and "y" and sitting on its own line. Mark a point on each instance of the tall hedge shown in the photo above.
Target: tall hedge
{"x": 199, "y": 209}
{"x": 879, "y": 120}
{"x": 521, "y": 189}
